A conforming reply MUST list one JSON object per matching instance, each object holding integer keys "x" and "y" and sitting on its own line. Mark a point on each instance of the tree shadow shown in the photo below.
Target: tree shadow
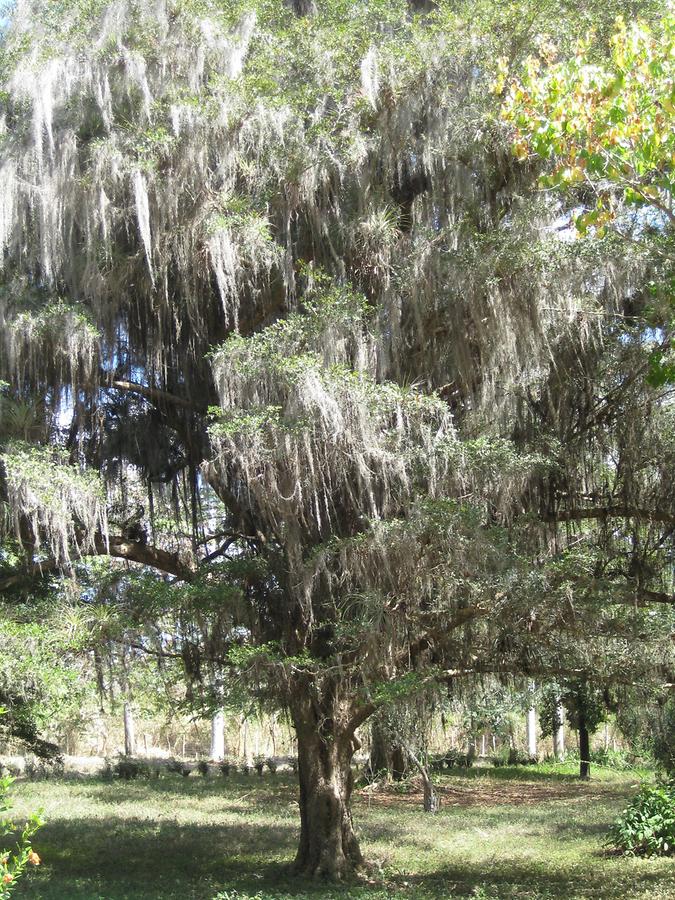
{"x": 111, "y": 856}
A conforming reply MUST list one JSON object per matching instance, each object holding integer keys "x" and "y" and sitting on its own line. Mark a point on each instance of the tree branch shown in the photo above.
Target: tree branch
{"x": 117, "y": 546}
{"x": 610, "y": 512}
{"x": 155, "y": 395}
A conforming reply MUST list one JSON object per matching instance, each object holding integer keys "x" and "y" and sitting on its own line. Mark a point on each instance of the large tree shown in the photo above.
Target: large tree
{"x": 283, "y": 252}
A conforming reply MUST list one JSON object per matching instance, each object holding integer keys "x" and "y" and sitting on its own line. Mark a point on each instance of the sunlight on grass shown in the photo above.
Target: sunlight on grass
{"x": 495, "y": 837}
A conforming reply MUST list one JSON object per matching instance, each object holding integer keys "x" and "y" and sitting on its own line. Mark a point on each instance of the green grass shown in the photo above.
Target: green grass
{"x": 505, "y": 833}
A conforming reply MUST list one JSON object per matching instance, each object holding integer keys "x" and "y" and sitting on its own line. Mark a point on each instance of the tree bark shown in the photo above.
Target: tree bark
{"x": 430, "y": 798}
{"x": 584, "y": 749}
{"x": 328, "y": 845}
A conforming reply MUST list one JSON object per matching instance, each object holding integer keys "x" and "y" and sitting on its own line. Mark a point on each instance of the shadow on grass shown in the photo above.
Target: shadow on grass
{"x": 119, "y": 858}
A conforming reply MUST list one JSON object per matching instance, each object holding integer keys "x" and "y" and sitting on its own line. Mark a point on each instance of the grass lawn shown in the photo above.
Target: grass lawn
{"x": 508, "y": 833}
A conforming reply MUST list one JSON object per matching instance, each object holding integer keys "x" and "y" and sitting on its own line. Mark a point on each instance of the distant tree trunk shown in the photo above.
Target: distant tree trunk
{"x": 129, "y": 730}
{"x": 399, "y": 762}
{"x": 328, "y": 846}
{"x": 559, "y": 732}
{"x": 532, "y": 733}
{"x": 584, "y": 749}
{"x": 380, "y": 750}
{"x": 217, "y": 735}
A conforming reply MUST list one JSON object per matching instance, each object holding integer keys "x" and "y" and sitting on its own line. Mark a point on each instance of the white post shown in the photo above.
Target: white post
{"x": 217, "y": 736}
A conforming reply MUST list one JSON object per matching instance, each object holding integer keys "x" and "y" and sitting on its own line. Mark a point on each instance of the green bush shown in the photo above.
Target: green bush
{"x": 619, "y": 760}
{"x": 453, "y": 758}
{"x": 647, "y": 826}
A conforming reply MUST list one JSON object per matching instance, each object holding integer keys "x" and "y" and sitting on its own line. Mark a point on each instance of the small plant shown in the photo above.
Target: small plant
{"x": 225, "y": 767}
{"x": 294, "y": 765}
{"x": 259, "y": 765}
{"x": 245, "y": 769}
{"x": 13, "y": 865}
{"x": 647, "y": 826}
{"x": 271, "y": 764}
{"x": 203, "y": 768}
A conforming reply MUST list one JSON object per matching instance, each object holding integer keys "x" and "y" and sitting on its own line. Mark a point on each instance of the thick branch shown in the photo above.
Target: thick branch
{"x": 155, "y": 395}
{"x": 146, "y": 555}
{"x": 117, "y": 546}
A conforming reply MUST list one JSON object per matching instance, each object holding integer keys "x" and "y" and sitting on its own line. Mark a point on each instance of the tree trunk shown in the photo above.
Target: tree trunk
{"x": 217, "y": 736}
{"x": 129, "y": 731}
{"x": 399, "y": 763}
{"x": 532, "y": 733}
{"x": 430, "y": 797}
{"x": 559, "y": 733}
{"x": 584, "y": 750}
{"x": 328, "y": 846}
{"x": 379, "y": 762}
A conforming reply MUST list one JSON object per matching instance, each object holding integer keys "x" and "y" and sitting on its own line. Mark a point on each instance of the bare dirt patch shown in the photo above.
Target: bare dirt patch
{"x": 483, "y": 793}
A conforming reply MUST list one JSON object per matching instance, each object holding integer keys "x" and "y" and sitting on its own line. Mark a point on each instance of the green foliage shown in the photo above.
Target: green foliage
{"x": 604, "y": 125}
{"x": 647, "y": 826}
{"x": 583, "y": 700}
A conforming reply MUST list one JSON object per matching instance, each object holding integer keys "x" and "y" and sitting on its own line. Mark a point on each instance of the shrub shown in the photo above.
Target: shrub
{"x": 647, "y": 826}
{"x": 259, "y": 765}
{"x": 129, "y": 769}
{"x": 271, "y": 765}
{"x": 225, "y": 767}
{"x": 454, "y": 758}
{"x": 519, "y": 758}
{"x": 176, "y": 767}
{"x": 618, "y": 760}
{"x": 203, "y": 768}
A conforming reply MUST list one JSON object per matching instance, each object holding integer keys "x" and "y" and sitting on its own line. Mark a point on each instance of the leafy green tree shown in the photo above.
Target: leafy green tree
{"x": 284, "y": 251}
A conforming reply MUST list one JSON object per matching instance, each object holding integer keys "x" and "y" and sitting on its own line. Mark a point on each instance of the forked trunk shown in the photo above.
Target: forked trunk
{"x": 328, "y": 846}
